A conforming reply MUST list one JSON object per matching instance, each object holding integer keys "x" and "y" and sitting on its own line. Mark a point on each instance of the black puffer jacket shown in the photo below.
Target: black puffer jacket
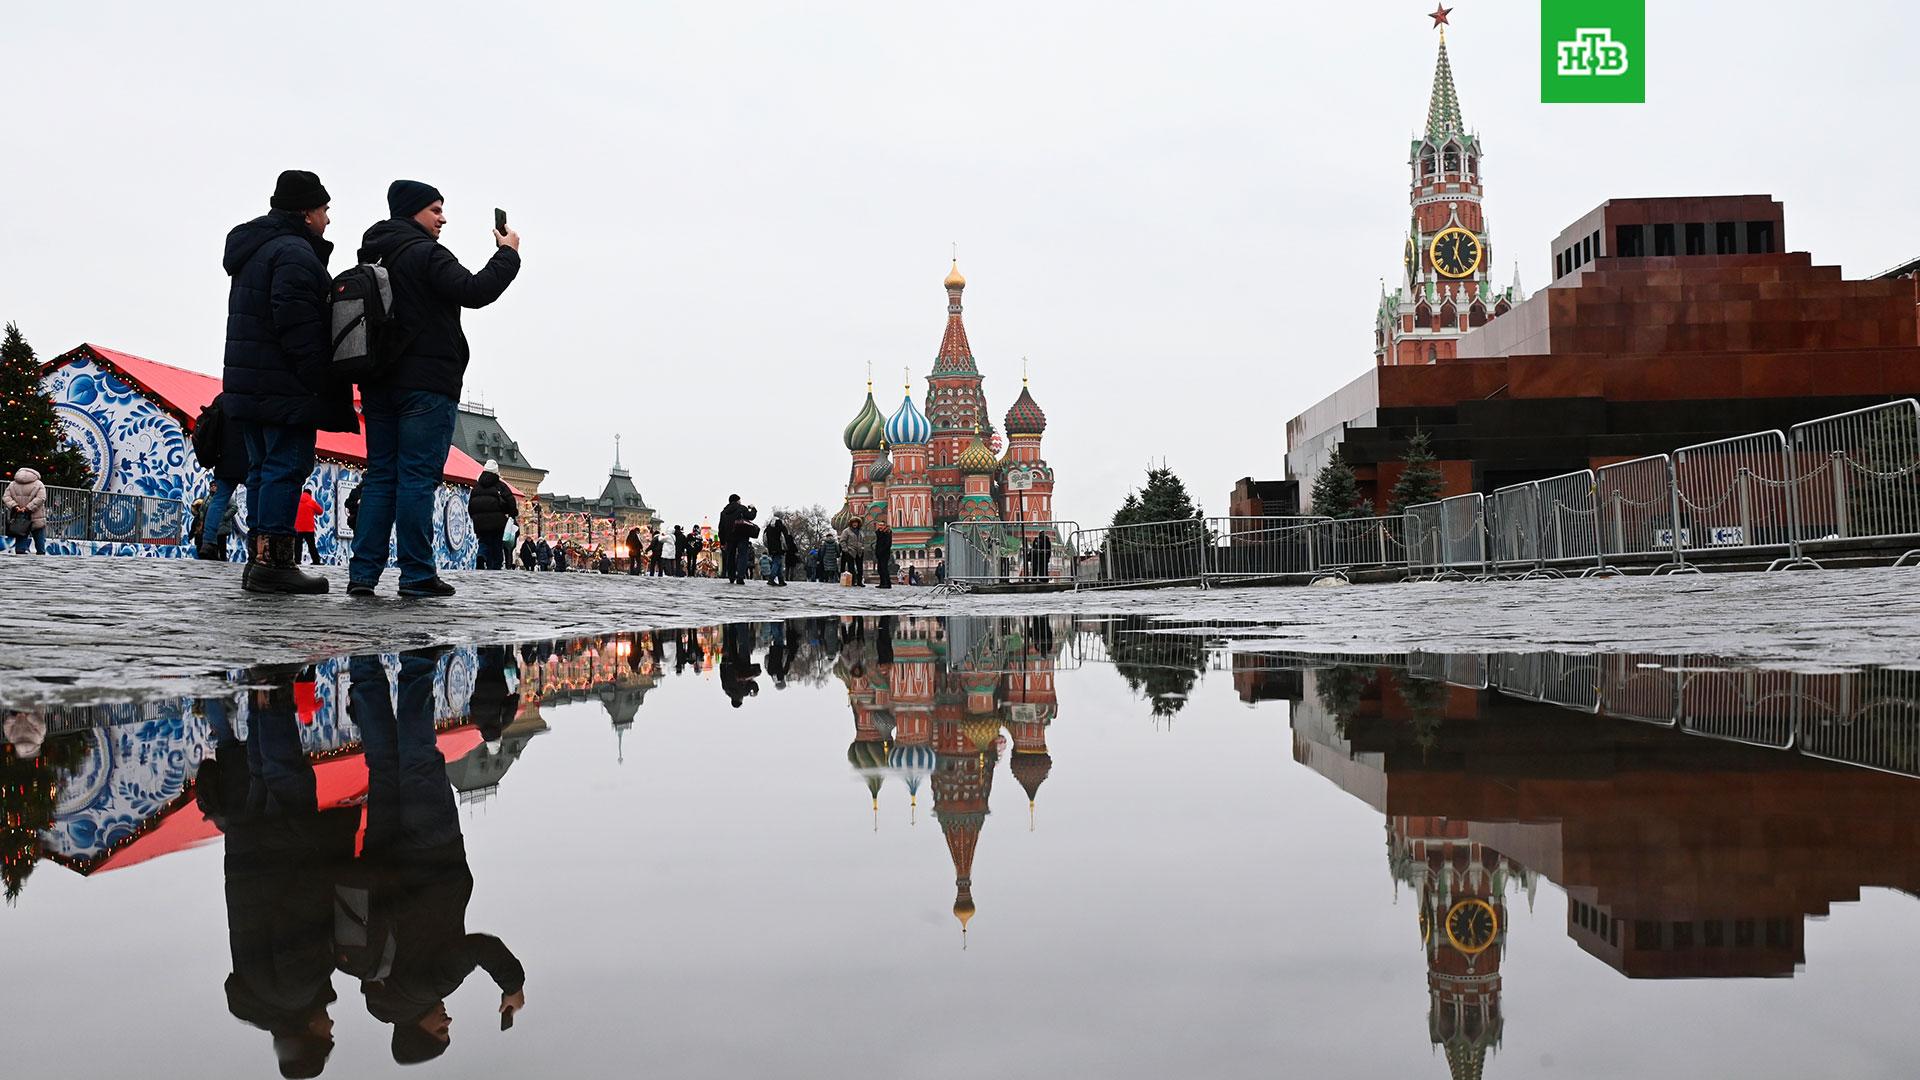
{"x": 429, "y": 289}
{"x": 234, "y": 462}
{"x": 278, "y": 334}
{"x": 490, "y": 505}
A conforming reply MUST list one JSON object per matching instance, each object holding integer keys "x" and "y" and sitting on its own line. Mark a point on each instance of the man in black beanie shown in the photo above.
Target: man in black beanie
{"x": 276, "y": 385}
{"x": 410, "y": 406}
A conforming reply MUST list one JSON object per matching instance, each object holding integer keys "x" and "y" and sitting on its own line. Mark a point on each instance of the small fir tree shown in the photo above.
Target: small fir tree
{"x": 1164, "y": 498}
{"x": 30, "y": 430}
{"x": 1420, "y": 482}
{"x": 29, "y": 790}
{"x": 1336, "y": 494}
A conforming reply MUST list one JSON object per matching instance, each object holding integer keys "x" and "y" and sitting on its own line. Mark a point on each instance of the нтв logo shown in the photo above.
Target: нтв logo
{"x": 1593, "y": 50}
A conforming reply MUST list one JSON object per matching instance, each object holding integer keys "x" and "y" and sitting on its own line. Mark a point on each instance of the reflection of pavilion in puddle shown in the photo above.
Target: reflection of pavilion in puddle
{"x": 1681, "y": 857}
{"x": 930, "y": 698}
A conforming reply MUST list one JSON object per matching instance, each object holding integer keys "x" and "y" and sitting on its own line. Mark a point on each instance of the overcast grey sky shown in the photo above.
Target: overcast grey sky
{"x": 1180, "y": 212}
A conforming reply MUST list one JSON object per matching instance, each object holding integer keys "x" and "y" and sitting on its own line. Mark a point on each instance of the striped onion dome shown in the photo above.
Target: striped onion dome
{"x": 912, "y": 764}
{"x": 841, "y": 518}
{"x": 882, "y": 466}
{"x": 909, "y": 426}
{"x": 866, "y": 430}
{"x": 977, "y": 458}
{"x": 1025, "y": 418}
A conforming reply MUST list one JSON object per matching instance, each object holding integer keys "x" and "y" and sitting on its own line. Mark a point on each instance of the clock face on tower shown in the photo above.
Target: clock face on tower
{"x": 1471, "y": 926}
{"x": 1455, "y": 252}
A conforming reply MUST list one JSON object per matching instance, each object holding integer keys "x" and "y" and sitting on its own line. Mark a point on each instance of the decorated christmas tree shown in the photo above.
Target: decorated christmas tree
{"x": 1336, "y": 494}
{"x": 30, "y": 431}
{"x": 1420, "y": 482}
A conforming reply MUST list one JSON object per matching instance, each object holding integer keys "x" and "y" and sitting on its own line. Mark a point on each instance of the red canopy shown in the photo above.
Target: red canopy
{"x": 184, "y": 393}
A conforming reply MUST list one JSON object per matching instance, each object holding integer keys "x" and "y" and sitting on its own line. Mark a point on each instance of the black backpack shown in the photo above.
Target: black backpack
{"x": 210, "y": 435}
{"x": 366, "y": 335}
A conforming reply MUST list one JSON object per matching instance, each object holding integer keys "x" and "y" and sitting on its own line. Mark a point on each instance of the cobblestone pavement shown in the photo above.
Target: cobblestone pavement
{"x": 80, "y": 629}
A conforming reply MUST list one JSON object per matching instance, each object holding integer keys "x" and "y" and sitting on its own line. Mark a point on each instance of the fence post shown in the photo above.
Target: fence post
{"x": 1837, "y": 463}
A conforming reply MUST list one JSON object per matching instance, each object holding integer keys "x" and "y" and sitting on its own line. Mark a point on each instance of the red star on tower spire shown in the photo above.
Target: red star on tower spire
{"x": 1439, "y": 16}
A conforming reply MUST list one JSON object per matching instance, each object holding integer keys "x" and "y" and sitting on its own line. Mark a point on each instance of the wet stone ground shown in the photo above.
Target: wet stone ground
{"x": 108, "y": 629}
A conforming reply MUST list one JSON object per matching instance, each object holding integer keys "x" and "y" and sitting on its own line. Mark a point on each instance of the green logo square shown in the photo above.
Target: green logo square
{"x": 1593, "y": 50}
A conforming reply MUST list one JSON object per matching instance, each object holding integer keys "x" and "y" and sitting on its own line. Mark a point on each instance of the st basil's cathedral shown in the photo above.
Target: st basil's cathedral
{"x": 925, "y": 467}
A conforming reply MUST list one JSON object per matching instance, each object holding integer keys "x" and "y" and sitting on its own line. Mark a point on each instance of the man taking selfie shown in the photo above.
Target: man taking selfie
{"x": 409, "y": 406}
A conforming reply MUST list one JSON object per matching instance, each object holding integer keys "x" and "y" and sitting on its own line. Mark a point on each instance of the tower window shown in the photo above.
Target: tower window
{"x": 1696, "y": 238}
{"x": 1426, "y": 165}
{"x": 1760, "y": 237}
{"x": 1473, "y": 164}
{"x": 1663, "y": 239}
{"x": 1724, "y": 238}
{"x": 1452, "y": 160}
{"x": 1629, "y": 241}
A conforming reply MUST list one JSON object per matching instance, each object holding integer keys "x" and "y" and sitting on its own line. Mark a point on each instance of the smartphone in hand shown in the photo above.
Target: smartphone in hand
{"x": 499, "y": 221}
{"x": 506, "y": 1019}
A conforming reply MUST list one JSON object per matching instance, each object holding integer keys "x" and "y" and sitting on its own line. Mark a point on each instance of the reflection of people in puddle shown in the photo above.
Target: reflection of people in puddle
{"x": 282, "y": 857}
{"x": 778, "y": 659}
{"x": 494, "y": 703}
{"x": 737, "y": 669}
{"x": 418, "y": 949}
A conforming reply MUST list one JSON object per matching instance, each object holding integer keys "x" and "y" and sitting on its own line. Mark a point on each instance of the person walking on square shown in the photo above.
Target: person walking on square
{"x": 677, "y": 549}
{"x": 636, "y": 549}
{"x": 491, "y": 505}
{"x": 883, "y": 553}
{"x": 228, "y": 474}
{"x": 744, "y": 531}
{"x": 275, "y": 378}
{"x": 779, "y": 549}
{"x": 410, "y": 406}
{"x": 527, "y": 553}
{"x": 729, "y": 514}
{"x": 544, "y": 554}
{"x": 853, "y": 552}
{"x": 656, "y": 549}
{"x": 306, "y": 524}
{"x": 26, "y": 506}
{"x": 692, "y": 551}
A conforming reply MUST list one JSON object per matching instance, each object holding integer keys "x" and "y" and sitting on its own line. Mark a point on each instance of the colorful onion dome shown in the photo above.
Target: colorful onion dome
{"x": 909, "y": 426}
{"x": 981, "y": 731}
{"x": 866, "y": 430}
{"x": 977, "y": 458}
{"x": 882, "y": 466}
{"x": 954, "y": 278}
{"x": 1025, "y": 418}
{"x": 840, "y": 519}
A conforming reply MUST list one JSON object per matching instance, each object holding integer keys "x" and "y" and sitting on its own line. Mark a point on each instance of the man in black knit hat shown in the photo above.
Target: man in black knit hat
{"x": 410, "y": 406}
{"x": 276, "y": 383}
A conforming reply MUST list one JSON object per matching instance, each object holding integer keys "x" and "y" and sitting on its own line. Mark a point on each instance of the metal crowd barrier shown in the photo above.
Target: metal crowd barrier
{"x": 1736, "y": 495}
{"x": 1152, "y": 553}
{"x": 1010, "y": 552}
{"x": 111, "y": 517}
{"x": 1365, "y": 543}
{"x": 1446, "y": 539}
{"x": 1639, "y": 512}
{"x": 1858, "y": 476}
{"x": 1262, "y": 548}
{"x": 1516, "y": 527}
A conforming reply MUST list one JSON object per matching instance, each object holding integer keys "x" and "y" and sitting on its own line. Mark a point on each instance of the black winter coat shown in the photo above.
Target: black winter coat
{"x": 278, "y": 332}
{"x": 429, "y": 289}
{"x": 779, "y": 541}
{"x": 490, "y": 505}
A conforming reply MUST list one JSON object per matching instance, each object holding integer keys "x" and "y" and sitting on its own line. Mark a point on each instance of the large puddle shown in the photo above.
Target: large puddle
{"x": 969, "y": 847}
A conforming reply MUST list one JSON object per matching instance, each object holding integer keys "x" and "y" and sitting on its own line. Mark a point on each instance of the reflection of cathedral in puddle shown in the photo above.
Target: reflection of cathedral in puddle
{"x": 930, "y": 700}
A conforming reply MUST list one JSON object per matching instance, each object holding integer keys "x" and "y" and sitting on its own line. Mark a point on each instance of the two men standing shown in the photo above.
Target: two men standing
{"x": 280, "y": 391}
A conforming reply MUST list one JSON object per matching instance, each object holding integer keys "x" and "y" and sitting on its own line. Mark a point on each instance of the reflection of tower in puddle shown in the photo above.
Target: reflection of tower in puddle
{"x": 1030, "y": 706}
{"x": 962, "y": 783}
{"x": 1461, "y": 886}
{"x": 871, "y": 698}
{"x": 911, "y": 688}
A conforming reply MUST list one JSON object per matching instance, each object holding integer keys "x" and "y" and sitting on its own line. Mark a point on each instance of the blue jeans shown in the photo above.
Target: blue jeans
{"x": 742, "y": 559}
{"x": 408, "y": 433}
{"x": 488, "y": 555}
{"x": 216, "y": 513}
{"x": 410, "y": 804}
{"x": 280, "y": 459}
{"x": 37, "y": 536}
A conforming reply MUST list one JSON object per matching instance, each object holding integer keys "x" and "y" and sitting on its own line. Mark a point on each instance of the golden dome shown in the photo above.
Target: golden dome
{"x": 977, "y": 458}
{"x": 954, "y": 278}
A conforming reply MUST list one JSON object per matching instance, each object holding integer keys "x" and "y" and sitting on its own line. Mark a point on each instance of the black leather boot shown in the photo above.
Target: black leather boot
{"x": 276, "y": 568}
